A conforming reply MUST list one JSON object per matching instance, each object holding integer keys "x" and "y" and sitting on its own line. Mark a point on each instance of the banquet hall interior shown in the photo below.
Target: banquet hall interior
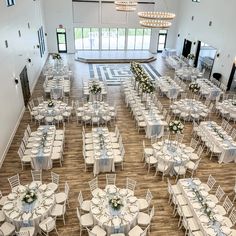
{"x": 117, "y": 118}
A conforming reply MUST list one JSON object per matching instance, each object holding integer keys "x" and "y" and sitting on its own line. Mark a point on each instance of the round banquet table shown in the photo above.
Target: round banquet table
{"x": 22, "y": 214}
{"x": 115, "y": 221}
{"x": 172, "y": 154}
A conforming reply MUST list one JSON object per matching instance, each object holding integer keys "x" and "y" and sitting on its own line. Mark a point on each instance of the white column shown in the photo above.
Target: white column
{"x": 153, "y": 41}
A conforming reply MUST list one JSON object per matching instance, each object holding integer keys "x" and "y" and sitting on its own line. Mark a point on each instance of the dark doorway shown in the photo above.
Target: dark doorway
{"x": 25, "y": 85}
{"x": 186, "y": 48}
{"x": 61, "y": 40}
{"x": 197, "y": 53}
{"x": 231, "y": 85}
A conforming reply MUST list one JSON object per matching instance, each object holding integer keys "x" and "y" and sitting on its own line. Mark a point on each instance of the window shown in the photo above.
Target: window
{"x": 112, "y": 39}
{"x": 86, "y": 38}
{"x": 138, "y": 39}
{"x": 10, "y": 2}
{"x": 161, "y": 40}
{"x": 195, "y": 0}
{"x": 41, "y": 41}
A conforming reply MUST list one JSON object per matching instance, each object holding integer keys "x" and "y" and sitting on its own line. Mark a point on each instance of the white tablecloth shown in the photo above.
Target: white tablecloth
{"x": 212, "y": 131}
{"x": 208, "y": 89}
{"x": 188, "y": 188}
{"x": 169, "y": 87}
{"x": 172, "y": 154}
{"x": 115, "y": 221}
{"x": 22, "y": 214}
{"x": 190, "y": 106}
{"x": 103, "y": 152}
{"x": 42, "y": 150}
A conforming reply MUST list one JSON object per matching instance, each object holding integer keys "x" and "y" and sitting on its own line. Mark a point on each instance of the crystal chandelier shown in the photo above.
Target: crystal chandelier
{"x": 157, "y": 15}
{"x": 155, "y": 23}
{"x": 126, "y": 5}
{"x": 156, "y": 19}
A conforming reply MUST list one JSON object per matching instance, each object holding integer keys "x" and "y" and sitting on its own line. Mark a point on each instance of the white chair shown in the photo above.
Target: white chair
{"x": 231, "y": 220}
{"x": 26, "y": 231}
{"x": 226, "y": 207}
{"x": 210, "y": 183}
{"x": 2, "y": 216}
{"x": 57, "y": 157}
{"x": 180, "y": 170}
{"x": 145, "y": 219}
{"x": 219, "y": 194}
{"x": 110, "y": 180}
{"x": 62, "y": 197}
{"x": 130, "y": 185}
{"x": 96, "y": 231}
{"x": 146, "y": 151}
{"x": 193, "y": 145}
{"x": 88, "y": 158}
{"x": 55, "y": 181}
{"x": 93, "y": 185}
{"x": 59, "y": 210}
{"x": 36, "y": 176}
{"x": 85, "y": 221}
{"x": 14, "y": 182}
{"x": 84, "y": 205}
{"x": 48, "y": 225}
{"x": 119, "y": 157}
{"x": 196, "y": 156}
{"x": 192, "y": 167}
{"x": 138, "y": 231}
{"x": 144, "y": 203}
{"x": 173, "y": 190}
{"x": 162, "y": 167}
{"x": 25, "y": 159}
{"x": 7, "y": 229}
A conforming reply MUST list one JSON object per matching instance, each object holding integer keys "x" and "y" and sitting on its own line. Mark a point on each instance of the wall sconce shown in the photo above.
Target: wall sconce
{"x": 16, "y": 80}
{"x": 29, "y": 60}
{"x": 217, "y": 54}
{"x": 37, "y": 46}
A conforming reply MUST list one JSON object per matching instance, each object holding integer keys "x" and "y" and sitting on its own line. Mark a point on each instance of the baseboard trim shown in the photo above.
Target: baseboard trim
{"x": 12, "y": 137}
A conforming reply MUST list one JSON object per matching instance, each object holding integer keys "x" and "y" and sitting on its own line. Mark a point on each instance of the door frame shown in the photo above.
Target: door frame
{"x": 159, "y": 38}
{"x": 61, "y": 33}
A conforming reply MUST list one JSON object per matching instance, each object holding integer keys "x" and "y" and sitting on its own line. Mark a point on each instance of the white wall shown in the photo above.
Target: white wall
{"x": 220, "y": 35}
{"x": 13, "y": 59}
{"x": 58, "y": 12}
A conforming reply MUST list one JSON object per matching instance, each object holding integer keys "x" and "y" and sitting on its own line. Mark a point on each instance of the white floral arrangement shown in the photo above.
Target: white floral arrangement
{"x": 194, "y": 87}
{"x": 191, "y": 56}
{"x": 176, "y": 127}
{"x": 116, "y": 203}
{"x": 29, "y": 196}
{"x": 147, "y": 87}
{"x": 95, "y": 88}
{"x": 56, "y": 56}
{"x": 50, "y": 103}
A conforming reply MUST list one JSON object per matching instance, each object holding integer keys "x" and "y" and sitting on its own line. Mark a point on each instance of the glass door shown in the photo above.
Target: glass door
{"x": 61, "y": 40}
{"x": 161, "y": 40}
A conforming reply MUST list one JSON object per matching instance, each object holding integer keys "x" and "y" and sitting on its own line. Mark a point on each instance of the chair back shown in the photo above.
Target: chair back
{"x": 78, "y": 215}
{"x": 23, "y": 233}
{"x": 80, "y": 198}
{"x": 233, "y": 134}
{"x": 110, "y": 179}
{"x": 145, "y": 232}
{"x": 224, "y": 123}
{"x": 55, "y": 178}
{"x": 50, "y": 225}
{"x": 193, "y": 143}
{"x": 14, "y": 181}
{"x": 219, "y": 193}
{"x": 232, "y": 216}
{"x": 227, "y": 204}
{"x": 228, "y": 128}
{"x": 130, "y": 184}
{"x": 28, "y": 129}
{"x": 199, "y": 151}
{"x": 67, "y": 189}
{"x": 93, "y": 184}
{"x": 152, "y": 213}
{"x": 36, "y": 175}
{"x": 211, "y": 181}
{"x": 149, "y": 197}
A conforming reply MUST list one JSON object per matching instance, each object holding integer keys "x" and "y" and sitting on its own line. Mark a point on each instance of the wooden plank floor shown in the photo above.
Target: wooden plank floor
{"x": 164, "y": 224}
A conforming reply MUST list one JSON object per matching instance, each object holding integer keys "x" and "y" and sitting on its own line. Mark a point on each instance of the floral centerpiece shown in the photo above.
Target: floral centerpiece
{"x": 29, "y": 196}
{"x": 116, "y": 203}
{"x": 147, "y": 87}
{"x": 56, "y": 56}
{"x": 194, "y": 87}
{"x": 176, "y": 127}
{"x": 190, "y": 56}
{"x": 95, "y": 88}
{"x": 50, "y": 103}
